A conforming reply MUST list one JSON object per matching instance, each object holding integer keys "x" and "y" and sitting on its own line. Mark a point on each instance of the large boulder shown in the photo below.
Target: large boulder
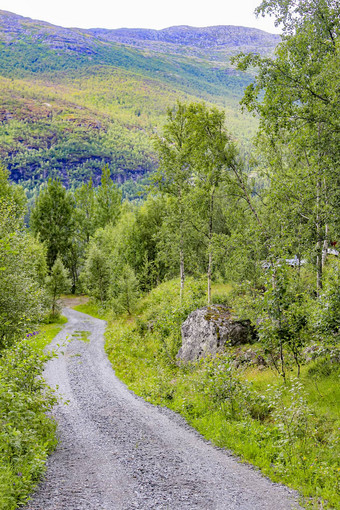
{"x": 207, "y": 331}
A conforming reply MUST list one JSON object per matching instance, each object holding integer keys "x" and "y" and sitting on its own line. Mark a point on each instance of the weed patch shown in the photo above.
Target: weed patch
{"x": 92, "y": 309}
{"x": 84, "y": 336}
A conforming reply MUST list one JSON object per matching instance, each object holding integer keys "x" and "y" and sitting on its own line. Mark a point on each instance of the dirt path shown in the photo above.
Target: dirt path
{"x": 118, "y": 452}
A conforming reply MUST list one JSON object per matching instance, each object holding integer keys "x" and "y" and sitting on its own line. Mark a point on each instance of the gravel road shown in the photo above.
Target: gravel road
{"x": 117, "y": 452}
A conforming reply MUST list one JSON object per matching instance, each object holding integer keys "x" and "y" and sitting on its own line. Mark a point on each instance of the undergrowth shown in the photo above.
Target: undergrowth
{"x": 290, "y": 431}
{"x": 27, "y": 434}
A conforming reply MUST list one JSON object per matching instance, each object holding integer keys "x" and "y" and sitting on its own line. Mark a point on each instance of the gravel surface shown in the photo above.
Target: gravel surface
{"x": 117, "y": 452}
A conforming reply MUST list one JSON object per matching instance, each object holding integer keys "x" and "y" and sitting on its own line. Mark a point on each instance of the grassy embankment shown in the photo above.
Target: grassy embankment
{"x": 291, "y": 432}
{"x": 27, "y": 435}
{"x": 92, "y": 309}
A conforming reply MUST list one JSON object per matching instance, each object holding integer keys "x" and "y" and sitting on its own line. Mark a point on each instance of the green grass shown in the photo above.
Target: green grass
{"x": 220, "y": 293}
{"x": 92, "y": 309}
{"x": 290, "y": 432}
{"x": 46, "y": 334}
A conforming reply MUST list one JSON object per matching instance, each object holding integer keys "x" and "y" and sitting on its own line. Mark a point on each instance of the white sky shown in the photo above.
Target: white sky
{"x": 140, "y": 13}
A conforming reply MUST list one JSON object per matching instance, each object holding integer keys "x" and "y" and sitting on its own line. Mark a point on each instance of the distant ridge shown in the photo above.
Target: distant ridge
{"x": 222, "y": 37}
{"x": 211, "y": 36}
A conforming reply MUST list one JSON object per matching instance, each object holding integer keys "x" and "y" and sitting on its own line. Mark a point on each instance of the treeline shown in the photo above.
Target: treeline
{"x": 206, "y": 217}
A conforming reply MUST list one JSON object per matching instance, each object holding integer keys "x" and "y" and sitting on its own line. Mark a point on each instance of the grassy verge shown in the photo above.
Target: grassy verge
{"x": 92, "y": 309}
{"x": 291, "y": 432}
{"x": 46, "y": 334}
{"x": 27, "y": 435}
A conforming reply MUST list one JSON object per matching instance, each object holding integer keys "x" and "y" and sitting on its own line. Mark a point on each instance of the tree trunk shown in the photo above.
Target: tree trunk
{"x": 319, "y": 244}
{"x": 182, "y": 274}
{"x": 325, "y": 247}
{"x": 209, "y": 274}
{"x": 210, "y": 244}
{"x": 181, "y": 250}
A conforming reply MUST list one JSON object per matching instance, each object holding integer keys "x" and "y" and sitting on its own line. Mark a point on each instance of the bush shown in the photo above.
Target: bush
{"x": 26, "y": 433}
{"x": 221, "y": 383}
{"x": 166, "y": 313}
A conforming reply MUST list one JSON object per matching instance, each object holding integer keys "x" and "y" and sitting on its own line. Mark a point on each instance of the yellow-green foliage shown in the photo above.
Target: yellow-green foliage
{"x": 291, "y": 432}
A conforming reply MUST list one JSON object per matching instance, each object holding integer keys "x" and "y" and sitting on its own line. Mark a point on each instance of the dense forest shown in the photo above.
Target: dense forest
{"x": 256, "y": 231}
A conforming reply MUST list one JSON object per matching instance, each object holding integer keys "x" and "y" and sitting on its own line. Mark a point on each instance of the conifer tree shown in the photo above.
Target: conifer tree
{"x": 52, "y": 219}
{"x": 57, "y": 283}
{"x": 108, "y": 200}
{"x": 97, "y": 274}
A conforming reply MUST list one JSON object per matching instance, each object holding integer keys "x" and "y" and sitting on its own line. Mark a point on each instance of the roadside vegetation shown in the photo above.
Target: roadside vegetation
{"x": 289, "y": 429}
{"x": 27, "y": 325}
{"x": 27, "y": 434}
{"x": 92, "y": 309}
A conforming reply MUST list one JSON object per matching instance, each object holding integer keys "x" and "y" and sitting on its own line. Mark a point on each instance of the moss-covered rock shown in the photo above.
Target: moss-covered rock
{"x": 209, "y": 330}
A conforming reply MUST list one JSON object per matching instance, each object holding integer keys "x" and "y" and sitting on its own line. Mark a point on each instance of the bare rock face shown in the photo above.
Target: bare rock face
{"x": 208, "y": 330}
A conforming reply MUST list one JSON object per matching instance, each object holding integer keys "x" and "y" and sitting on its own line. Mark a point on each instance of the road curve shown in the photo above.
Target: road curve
{"x": 117, "y": 452}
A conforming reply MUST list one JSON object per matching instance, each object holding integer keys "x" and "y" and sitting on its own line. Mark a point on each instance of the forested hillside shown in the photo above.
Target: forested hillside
{"x": 73, "y": 100}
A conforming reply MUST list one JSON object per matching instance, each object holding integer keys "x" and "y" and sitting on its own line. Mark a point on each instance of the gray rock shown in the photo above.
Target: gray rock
{"x": 208, "y": 330}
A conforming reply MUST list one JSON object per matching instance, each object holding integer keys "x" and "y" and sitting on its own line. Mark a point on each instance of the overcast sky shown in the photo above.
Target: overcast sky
{"x": 141, "y": 13}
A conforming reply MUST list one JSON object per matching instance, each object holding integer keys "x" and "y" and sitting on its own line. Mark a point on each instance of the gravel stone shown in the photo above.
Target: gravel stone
{"x": 117, "y": 452}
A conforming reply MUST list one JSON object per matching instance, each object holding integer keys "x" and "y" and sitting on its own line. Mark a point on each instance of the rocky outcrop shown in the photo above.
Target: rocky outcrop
{"x": 208, "y": 330}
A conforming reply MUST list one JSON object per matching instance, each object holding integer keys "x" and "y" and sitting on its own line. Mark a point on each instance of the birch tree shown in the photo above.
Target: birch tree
{"x": 212, "y": 153}
{"x": 174, "y": 173}
{"x": 295, "y": 95}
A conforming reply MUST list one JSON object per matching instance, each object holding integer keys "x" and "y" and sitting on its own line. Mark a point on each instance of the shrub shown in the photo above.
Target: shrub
{"x": 26, "y": 433}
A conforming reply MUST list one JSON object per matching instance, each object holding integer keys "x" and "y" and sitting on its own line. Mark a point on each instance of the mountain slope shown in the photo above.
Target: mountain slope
{"x": 73, "y": 100}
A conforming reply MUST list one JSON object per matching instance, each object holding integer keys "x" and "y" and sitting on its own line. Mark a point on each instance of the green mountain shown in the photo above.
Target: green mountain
{"x": 73, "y": 99}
